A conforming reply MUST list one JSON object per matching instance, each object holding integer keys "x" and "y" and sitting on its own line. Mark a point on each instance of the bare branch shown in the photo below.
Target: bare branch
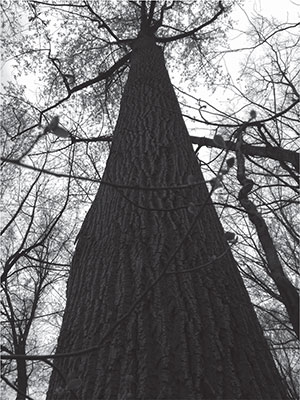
{"x": 191, "y": 32}
{"x": 275, "y": 153}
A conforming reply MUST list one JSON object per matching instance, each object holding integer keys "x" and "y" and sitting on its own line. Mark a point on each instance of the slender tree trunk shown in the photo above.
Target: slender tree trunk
{"x": 22, "y": 378}
{"x": 156, "y": 331}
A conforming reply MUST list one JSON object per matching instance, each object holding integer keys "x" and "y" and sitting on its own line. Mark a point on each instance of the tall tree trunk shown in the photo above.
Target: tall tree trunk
{"x": 156, "y": 331}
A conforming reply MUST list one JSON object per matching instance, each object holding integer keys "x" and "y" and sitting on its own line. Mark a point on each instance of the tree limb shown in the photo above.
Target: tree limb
{"x": 275, "y": 153}
{"x": 100, "y": 77}
{"x": 288, "y": 292}
{"x": 193, "y": 31}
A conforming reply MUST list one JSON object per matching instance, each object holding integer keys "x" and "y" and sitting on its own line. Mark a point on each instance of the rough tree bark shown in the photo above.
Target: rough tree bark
{"x": 156, "y": 331}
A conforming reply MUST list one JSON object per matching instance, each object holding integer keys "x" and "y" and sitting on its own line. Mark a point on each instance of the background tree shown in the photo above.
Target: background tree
{"x": 31, "y": 143}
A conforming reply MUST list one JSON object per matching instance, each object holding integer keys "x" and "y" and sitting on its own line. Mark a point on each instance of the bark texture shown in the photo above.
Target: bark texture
{"x": 194, "y": 335}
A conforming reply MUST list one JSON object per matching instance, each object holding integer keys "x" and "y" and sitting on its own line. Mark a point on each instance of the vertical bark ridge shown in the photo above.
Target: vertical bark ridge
{"x": 194, "y": 335}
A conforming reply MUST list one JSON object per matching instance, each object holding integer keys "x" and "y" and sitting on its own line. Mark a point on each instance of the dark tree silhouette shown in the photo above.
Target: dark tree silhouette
{"x": 156, "y": 308}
